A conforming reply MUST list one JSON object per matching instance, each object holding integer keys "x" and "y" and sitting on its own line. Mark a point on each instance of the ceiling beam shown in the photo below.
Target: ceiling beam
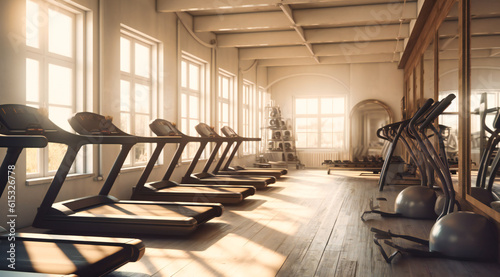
{"x": 343, "y": 49}
{"x": 343, "y": 16}
{"x": 199, "y": 5}
{"x": 495, "y": 53}
{"x": 353, "y": 34}
{"x": 477, "y": 42}
{"x": 329, "y": 35}
{"x": 277, "y": 38}
{"x": 379, "y": 58}
{"x": 274, "y": 52}
{"x": 478, "y": 7}
{"x": 288, "y": 62}
{"x": 321, "y": 50}
{"x": 241, "y": 22}
{"x": 475, "y": 54}
{"x": 355, "y": 15}
{"x": 478, "y": 26}
{"x": 289, "y": 14}
{"x": 374, "y": 58}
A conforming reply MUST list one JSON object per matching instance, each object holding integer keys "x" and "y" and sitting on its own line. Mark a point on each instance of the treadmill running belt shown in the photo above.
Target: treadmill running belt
{"x": 200, "y": 213}
{"x": 61, "y": 257}
{"x": 205, "y": 190}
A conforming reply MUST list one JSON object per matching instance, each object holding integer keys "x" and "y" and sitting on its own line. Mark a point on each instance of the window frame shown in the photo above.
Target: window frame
{"x": 134, "y": 79}
{"x": 230, "y": 101}
{"x": 319, "y": 116}
{"x": 248, "y": 113}
{"x": 77, "y": 63}
{"x": 202, "y": 94}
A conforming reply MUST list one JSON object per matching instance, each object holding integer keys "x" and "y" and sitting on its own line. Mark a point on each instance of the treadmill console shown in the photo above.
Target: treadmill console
{"x": 163, "y": 127}
{"x": 21, "y": 119}
{"x": 229, "y": 132}
{"x": 87, "y": 123}
{"x": 206, "y": 131}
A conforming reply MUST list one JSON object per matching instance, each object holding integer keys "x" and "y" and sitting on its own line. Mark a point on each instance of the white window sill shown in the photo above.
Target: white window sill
{"x": 186, "y": 162}
{"x": 137, "y": 168}
{"x": 48, "y": 180}
{"x": 74, "y": 176}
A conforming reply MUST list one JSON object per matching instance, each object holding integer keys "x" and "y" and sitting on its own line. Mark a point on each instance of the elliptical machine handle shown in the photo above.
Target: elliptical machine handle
{"x": 437, "y": 111}
{"x": 379, "y": 131}
{"x": 420, "y": 112}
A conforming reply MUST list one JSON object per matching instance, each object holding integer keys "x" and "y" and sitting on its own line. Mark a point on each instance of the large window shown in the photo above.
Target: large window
{"x": 192, "y": 99}
{"x": 479, "y": 100}
{"x": 54, "y": 75}
{"x": 248, "y": 116}
{"x": 262, "y": 100}
{"x": 137, "y": 90}
{"x": 319, "y": 122}
{"x": 225, "y": 100}
{"x": 449, "y": 118}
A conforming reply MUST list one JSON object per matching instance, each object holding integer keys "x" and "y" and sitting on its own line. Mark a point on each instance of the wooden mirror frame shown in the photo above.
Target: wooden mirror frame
{"x": 356, "y": 107}
{"x": 432, "y": 14}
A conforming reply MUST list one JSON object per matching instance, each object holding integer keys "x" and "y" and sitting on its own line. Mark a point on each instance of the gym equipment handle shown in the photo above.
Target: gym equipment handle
{"x": 437, "y": 111}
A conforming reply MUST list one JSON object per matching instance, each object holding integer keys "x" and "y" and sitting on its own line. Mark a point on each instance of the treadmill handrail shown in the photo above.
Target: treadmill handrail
{"x": 159, "y": 139}
{"x": 235, "y": 135}
{"x": 214, "y": 136}
{"x": 78, "y": 119}
{"x": 95, "y": 139}
{"x": 27, "y": 141}
{"x": 15, "y": 145}
{"x": 219, "y": 140}
{"x": 225, "y": 130}
{"x": 53, "y": 133}
{"x": 159, "y": 133}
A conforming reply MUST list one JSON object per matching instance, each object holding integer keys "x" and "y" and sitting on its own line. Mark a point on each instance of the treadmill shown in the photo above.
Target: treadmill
{"x": 208, "y": 132}
{"x": 86, "y": 123}
{"x": 43, "y": 254}
{"x": 100, "y": 213}
{"x": 204, "y": 177}
{"x": 228, "y": 170}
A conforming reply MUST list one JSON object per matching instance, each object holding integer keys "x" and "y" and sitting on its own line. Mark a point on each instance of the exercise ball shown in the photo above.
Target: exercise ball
{"x": 438, "y": 208}
{"x": 465, "y": 235}
{"x": 416, "y": 202}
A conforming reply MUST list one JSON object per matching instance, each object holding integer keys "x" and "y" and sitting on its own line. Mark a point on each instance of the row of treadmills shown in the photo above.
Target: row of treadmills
{"x": 162, "y": 207}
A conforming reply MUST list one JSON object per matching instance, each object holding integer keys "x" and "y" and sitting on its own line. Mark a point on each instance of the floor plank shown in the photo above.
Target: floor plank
{"x": 307, "y": 224}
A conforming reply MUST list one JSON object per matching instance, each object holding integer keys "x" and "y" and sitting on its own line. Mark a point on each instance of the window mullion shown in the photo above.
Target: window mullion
{"x": 132, "y": 109}
{"x": 44, "y": 95}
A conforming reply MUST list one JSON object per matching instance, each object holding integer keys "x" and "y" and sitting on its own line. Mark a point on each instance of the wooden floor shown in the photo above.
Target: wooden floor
{"x": 307, "y": 224}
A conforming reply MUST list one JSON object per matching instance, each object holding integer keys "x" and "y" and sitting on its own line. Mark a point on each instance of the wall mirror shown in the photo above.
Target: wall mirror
{"x": 410, "y": 94}
{"x": 484, "y": 99}
{"x": 448, "y": 64}
{"x": 428, "y": 72}
{"x": 366, "y": 117}
{"x": 419, "y": 92}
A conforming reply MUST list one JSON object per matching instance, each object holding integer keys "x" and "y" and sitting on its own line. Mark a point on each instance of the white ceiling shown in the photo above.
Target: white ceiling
{"x": 303, "y": 32}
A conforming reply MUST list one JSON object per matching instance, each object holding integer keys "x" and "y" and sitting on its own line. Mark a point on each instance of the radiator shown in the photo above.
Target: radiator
{"x": 314, "y": 159}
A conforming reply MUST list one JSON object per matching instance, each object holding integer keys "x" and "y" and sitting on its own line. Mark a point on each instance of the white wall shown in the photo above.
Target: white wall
{"x": 13, "y": 84}
{"x": 380, "y": 81}
{"x": 103, "y": 97}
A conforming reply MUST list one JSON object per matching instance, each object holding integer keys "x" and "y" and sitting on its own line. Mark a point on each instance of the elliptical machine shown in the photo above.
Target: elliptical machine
{"x": 456, "y": 235}
{"x": 414, "y": 201}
